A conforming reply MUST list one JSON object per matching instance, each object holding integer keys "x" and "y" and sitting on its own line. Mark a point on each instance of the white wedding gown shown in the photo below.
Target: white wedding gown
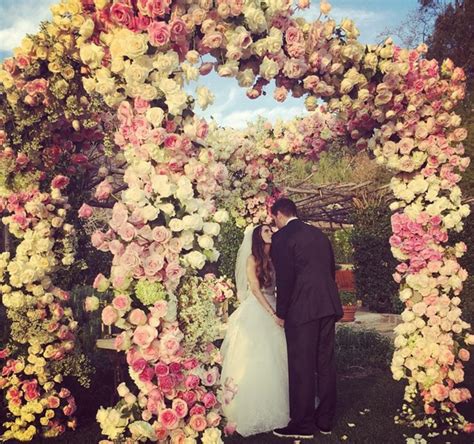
{"x": 255, "y": 358}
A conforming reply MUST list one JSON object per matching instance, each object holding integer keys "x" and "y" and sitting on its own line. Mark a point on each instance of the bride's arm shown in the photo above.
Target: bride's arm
{"x": 255, "y": 286}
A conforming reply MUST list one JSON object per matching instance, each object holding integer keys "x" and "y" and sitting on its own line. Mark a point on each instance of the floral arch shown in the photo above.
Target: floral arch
{"x": 94, "y": 113}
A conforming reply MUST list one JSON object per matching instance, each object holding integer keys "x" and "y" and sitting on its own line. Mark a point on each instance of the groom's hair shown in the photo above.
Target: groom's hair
{"x": 284, "y": 206}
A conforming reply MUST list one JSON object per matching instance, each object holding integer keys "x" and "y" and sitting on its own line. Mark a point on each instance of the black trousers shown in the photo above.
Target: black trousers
{"x": 310, "y": 356}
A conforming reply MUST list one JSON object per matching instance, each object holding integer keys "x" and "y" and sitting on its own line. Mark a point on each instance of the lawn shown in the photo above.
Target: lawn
{"x": 367, "y": 402}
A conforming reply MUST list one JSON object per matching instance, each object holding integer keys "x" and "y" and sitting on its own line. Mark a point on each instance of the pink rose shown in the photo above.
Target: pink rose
{"x": 178, "y": 29}
{"x": 175, "y": 367}
{"x": 119, "y": 216}
{"x": 127, "y": 232}
{"x": 98, "y": 241}
{"x": 198, "y": 409}
{"x": 180, "y": 407}
{"x": 121, "y": 342}
{"x": 213, "y": 419}
{"x": 121, "y": 302}
{"x": 166, "y": 383}
{"x": 138, "y": 365}
{"x": 161, "y": 234}
{"x": 190, "y": 363}
{"x": 211, "y": 376}
{"x": 169, "y": 344}
{"x": 60, "y": 182}
{"x": 147, "y": 374}
{"x": 53, "y": 402}
{"x": 230, "y": 428}
{"x": 103, "y": 190}
{"x": 189, "y": 397}
{"x": 198, "y": 423}
{"x": 174, "y": 271}
{"x": 212, "y": 39}
{"x": 464, "y": 355}
{"x": 161, "y": 369}
{"x": 439, "y": 392}
{"x": 160, "y": 308}
{"x": 144, "y": 335}
{"x": 191, "y": 382}
{"x": 116, "y": 247}
{"x": 137, "y": 317}
{"x": 209, "y": 400}
{"x": 169, "y": 419}
{"x": 121, "y": 14}
{"x": 468, "y": 427}
{"x": 141, "y": 106}
{"x": 159, "y": 33}
{"x": 85, "y": 211}
{"x": 109, "y": 315}
{"x": 153, "y": 264}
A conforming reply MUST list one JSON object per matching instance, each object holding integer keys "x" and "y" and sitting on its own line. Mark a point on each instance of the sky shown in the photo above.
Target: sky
{"x": 231, "y": 106}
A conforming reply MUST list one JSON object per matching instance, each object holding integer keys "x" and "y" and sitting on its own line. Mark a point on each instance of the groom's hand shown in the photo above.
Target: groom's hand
{"x": 280, "y": 322}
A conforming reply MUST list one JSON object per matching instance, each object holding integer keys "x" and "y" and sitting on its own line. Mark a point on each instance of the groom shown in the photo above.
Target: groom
{"x": 308, "y": 303}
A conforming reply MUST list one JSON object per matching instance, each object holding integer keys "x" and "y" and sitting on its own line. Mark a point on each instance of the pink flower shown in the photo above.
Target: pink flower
{"x": 190, "y": 363}
{"x": 180, "y": 407}
{"x": 191, "y": 382}
{"x": 147, "y": 374}
{"x": 144, "y": 335}
{"x": 159, "y": 309}
{"x": 198, "y": 423}
{"x": 85, "y": 211}
{"x": 127, "y": 232}
{"x": 178, "y": 29}
{"x": 121, "y": 302}
{"x": 161, "y": 369}
{"x": 189, "y": 397}
{"x": 109, "y": 315}
{"x": 141, "y": 106}
{"x": 439, "y": 392}
{"x": 166, "y": 383}
{"x": 211, "y": 376}
{"x": 153, "y": 264}
{"x": 469, "y": 427}
{"x": 464, "y": 354}
{"x": 119, "y": 216}
{"x": 103, "y": 190}
{"x": 139, "y": 365}
{"x": 53, "y": 402}
{"x": 161, "y": 234}
{"x": 60, "y": 182}
{"x": 213, "y": 419}
{"x": 169, "y": 419}
{"x": 159, "y": 33}
{"x": 121, "y": 14}
{"x": 137, "y": 317}
{"x": 169, "y": 344}
{"x": 230, "y": 428}
{"x": 209, "y": 400}
{"x": 31, "y": 390}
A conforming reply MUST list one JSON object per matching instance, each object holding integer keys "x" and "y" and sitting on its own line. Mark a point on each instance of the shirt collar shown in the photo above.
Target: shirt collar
{"x": 290, "y": 219}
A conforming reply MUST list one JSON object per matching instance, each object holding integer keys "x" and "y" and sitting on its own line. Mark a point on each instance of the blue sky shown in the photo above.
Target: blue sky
{"x": 231, "y": 107}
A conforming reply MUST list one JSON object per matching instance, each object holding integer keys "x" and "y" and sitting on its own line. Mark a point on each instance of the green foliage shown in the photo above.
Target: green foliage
{"x": 373, "y": 260}
{"x": 341, "y": 242}
{"x": 467, "y": 300}
{"x": 228, "y": 244}
{"x": 362, "y": 349}
{"x": 348, "y": 298}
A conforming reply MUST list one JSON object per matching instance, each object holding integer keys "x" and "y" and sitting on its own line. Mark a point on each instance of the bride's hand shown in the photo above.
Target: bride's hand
{"x": 279, "y": 321}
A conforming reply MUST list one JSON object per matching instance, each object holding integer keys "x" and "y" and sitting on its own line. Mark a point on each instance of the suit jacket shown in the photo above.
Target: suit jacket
{"x": 305, "y": 274}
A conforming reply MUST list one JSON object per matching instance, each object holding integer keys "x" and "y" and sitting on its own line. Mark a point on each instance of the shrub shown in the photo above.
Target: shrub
{"x": 362, "y": 349}
{"x": 341, "y": 242}
{"x": 228, "y": 245}
{"x": 373, "y": 260}
{"x": 348, "y": 298}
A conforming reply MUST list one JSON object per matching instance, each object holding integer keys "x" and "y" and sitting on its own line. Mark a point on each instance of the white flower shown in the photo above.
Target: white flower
{"x": 176, "y": 225}
{"x": 212, "y": 436}
{"x": 205, "y": 242}
{"x": 269, "y": 69}
{"x": 142, "y": 429}
{"x": 92, "y": 55}
{"x": 111, "y": 422}
{"x": 246, "y": 78}
{"x": 195, "y": 259}
{"x": 255, "y": 18}
{"x": 185, "y": 189}
{"x": 190, "y": 72}
{"x": 204, "y": 97}
{"x": 211, "y": 228}
{"x": 192, "y": 222}
{"x": 122, "y": 389}
{"x": 187, "y": 238}
{"x": 161, "y": 185}
{"x": 155, "y": 116}
{"x": 221, "y": 216}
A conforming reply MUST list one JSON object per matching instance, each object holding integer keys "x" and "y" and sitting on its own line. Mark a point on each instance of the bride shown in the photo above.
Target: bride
{"x": 254, "y": 349}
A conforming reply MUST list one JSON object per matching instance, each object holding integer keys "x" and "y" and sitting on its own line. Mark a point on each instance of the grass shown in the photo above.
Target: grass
{"x": 368, "y": 399}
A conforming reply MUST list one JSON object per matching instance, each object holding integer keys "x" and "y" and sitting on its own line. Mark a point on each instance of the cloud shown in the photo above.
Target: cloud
{"x": 239, "y": 119}
{"x": 20, "y": 18}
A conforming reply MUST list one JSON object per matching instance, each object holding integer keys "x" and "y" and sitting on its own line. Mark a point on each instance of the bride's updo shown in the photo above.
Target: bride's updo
{"x": 262, "y": 260}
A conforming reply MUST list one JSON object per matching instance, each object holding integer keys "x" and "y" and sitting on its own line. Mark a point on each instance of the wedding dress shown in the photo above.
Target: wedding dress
{"x": 255, "y": 359}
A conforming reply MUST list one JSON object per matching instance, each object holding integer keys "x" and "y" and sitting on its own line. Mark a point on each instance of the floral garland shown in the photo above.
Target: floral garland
{"x": 138, "y": 57}
{"x": 41, "y": 321}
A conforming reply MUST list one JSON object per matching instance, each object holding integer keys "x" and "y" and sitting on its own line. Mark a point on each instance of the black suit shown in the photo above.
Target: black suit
{"x": 308, "y": 301}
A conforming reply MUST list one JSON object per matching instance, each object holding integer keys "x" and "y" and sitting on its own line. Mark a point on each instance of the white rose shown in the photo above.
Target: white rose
{"x": 134, "y": 194}
{"x": 122, "y": 389}
{"x": 176, "y": 225}
{"x": 204, "y": 97}
{"x": 255, "y": 18}
{"x": 190, "y": 72}
{"x": 142, "y": 429}
{"x": 193, "y": 222}
{"x": 212, "y": 436}
{"x": 269, "y": 69}
{"x": 87, "y": 29}
{"x": 195, "y": 259}
{"x": 228, "y": 69}
{"x": 205, "y": 242}
{"x": 185, "y": 189}
{"x": 221, "y": 216}
{"x": 211, "y": 228}
{"x": 155, "y": 116}
{"x": 246, "y": 78}
{"x": 176, "y": 102}
{"x": 92, "y": 55}
{"x": 169, "y": 86}
{"x": 167, "y": 208}
{"x": 187, "y": 239}
{"x": 161, "y": 185}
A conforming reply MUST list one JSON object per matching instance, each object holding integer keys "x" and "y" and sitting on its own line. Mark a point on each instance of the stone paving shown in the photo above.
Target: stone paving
{"x": 384, "y": 323}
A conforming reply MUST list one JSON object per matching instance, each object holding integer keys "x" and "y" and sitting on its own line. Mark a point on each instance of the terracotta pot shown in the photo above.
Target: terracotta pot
{"x": 345, "y": 280}
{"x": 348, "y": 313}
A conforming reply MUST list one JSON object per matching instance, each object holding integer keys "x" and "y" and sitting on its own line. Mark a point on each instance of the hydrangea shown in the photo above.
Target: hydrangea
{"x": 150, "y": 292}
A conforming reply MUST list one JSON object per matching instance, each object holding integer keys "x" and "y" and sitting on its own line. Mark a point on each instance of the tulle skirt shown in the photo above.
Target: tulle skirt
{"x": 255, "y": 358}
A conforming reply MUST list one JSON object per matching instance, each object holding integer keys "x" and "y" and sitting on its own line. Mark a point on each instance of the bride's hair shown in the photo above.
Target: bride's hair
{"x": 263, "y": 265}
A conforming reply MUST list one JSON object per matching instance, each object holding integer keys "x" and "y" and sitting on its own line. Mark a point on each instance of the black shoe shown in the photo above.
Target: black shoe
{"x": 324, "y": 431}
{"x": 288, "y": 432}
